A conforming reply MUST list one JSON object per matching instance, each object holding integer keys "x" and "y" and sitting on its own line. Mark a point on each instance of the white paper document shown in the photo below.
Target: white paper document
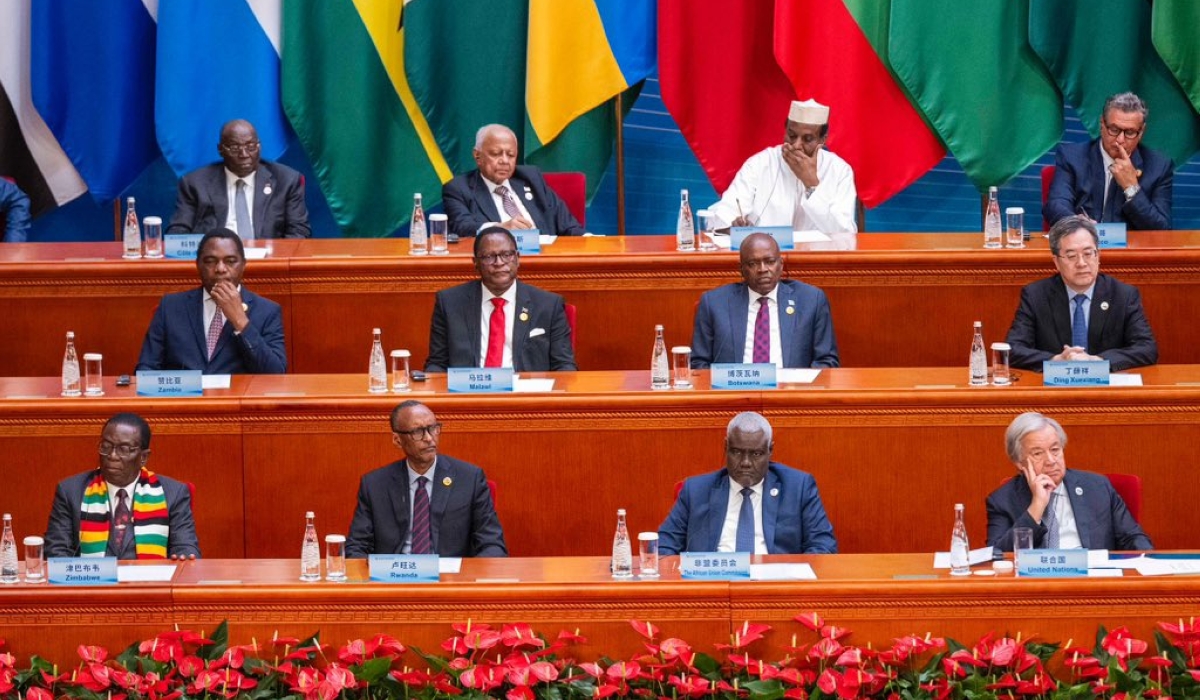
{"x": 782, "y": 572}
{"x": 215, "y": 381}
{"x": 941, "y": 560}
{"x": 722, "y": 240}
{"x": 1164, "y": 567}
{"x": 546, "y": 239}
{"x": 810, "y": 237}
{"x": 532, "y": 385}
{"x": 449, "y": 565}
{"x": 155, "y": 573}
{"x": 796, "y": 375}
{"x": 1124, "y": 380}
{"x": 257, "y": 253}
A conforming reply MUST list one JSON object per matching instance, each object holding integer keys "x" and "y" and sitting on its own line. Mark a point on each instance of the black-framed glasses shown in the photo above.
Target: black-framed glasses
{"x": 106, "y": 449}
{"x": 240, "y": 149}
{"x": 506, "y": 256}
{"x": 1087, "y": 255}
{"x": 423, "y": 431}
{"x": 1115, "y": 131}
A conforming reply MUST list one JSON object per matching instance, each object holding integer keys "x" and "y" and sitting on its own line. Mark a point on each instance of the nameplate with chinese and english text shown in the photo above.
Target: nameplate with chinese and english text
{"x": 781, "y": 234}
{"x": 718, "y": 566}
{"x": 182, "y": 246}
{"x": 1053, "y": 563}
{"x": 81, "y": 571}
{"x": 479, "y": 380}
{"x": 173, "y": 383}
{"x": 744, "y": 376}
{"x": 1075, "y": 373}
{"x": 529, "y": 241}
{"x": 403, "y": 568}
{"x": 1113, "y": 234}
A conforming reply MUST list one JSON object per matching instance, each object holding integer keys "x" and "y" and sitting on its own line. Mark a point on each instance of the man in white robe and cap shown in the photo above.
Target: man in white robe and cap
{"x": 798, "y": 183}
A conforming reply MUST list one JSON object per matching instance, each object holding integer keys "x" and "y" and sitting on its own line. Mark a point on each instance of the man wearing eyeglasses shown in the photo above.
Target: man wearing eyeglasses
{"x": 243, "y": 194}
{"x": 425, "y": 503}
{"x": 499, "y": 321}
{"x": 122, "y": 509}
{"x": 1114, "y": 178}
{"x": 1080, "y": 314}
{"x": 752, "y": 505}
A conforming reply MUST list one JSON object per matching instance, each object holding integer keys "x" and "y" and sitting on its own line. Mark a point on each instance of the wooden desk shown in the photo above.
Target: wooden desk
{"x": 891, "y": 449}
{"x": 887, "y": 291}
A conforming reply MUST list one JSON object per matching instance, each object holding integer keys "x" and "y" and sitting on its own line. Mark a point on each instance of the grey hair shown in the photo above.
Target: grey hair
{"x": 749, "y": 422}
{"x": 1068, "y": 225}
{"x": 487, "y": 129}
{"x": 1025, "y": 424}
{"x": 1125, "y": 102}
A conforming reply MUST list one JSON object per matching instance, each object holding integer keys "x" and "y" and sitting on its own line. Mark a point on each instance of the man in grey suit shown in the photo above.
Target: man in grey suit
{"x": 267, "y": 198}
{"x": 425, "y": 503}
{"x": 1065, "y": 508}
{"x": 763, "y": 319}
{"x": 122, "y": 509}
{"x": 498, "y": 321}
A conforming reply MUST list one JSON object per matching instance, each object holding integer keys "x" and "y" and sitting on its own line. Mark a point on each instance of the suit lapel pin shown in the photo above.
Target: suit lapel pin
{"x": 528, "y": 194}
{"x": 774, "y": 493}
{"x": 1078, "y": 490}
{"x": 245, "y": 306}
{"x": 267, "y": 188}
{"x": 791, "y": 310}
{"x": 447, "y": 481}
{"x": 524, "y": 315}
{"x": 1104, "y": 306}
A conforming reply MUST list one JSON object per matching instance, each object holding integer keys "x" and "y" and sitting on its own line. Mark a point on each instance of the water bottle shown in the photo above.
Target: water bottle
{"x": 310, "y": 551}
{"x": 622, "y": 558}
{"x": 960, "y": 550}
{"x": 978, "y": 357}
{"x": 8, "y": 553}
{"x": 133, "y": 231}
{"x": 70, "y": 368}
{"x": 660, "y": 371}
{"x": 378, "y": 381}
{"x": 993, "y": 231}
{"x": 418, "y": 238}
{"x": 685, "y": 227}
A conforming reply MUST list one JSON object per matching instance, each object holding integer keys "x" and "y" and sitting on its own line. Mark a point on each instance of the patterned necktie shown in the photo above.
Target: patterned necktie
{"x": 510, "y": 204}
{"x": 121, "y": 520}
{"x": 745, "y": 528}
{"x": 422, "y": 542}
{"x": 214, "y": 331}
{"x": 496, "y": 331}
{"x": 762, "y": 332}
{"x": 1079, "y": 324}
{"x": 1050, "y": 520}
{"x": 1111, "y": 205}
{"x": 242, "y": 212}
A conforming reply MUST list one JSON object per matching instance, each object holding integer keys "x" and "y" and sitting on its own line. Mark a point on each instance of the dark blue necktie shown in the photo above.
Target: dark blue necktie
{"x": 745, "y": 529}
{"x": 1079, "y": 324}
{"x": 422, "y": 541}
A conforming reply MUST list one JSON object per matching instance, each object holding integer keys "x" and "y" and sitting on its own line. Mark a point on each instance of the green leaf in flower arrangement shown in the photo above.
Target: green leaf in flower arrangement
{"x": 706, "y": 665}
{"x": 1098, "y": 650}
{"x": 373, "y": 669}
{"x": 220, "y": 642}
{"x": 436, "y": 663}
{"x": 549, "y": 692}
{"x": 764, "y": 690}
{"x": 1042, "y": 651}
{"x": 1174, "y": 653}
{"x": 129, "y": 659}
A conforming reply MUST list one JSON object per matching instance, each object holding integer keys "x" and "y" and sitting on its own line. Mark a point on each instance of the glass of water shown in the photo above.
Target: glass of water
{"x": 1016, "y": 227}
{"x": 335, "y": 557}
{"x": 437, "y": 235}
{"x": 93, "y": 373}
{"x": 681, "y": 359}
{"x": 35, "y": 560}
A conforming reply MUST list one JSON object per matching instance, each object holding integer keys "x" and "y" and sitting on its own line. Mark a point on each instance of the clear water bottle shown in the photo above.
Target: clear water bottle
{"x": 660, "y": 370}
{"x": 685, "y": 227}
{"x": 978, "y": 357}
{"x": 622, "y": 556}
{"x": 960, "y": 549}
{"x": 993, "y": 231}
{"x": 133, "y": 231}
{"x": 70, "y": 368}
{"x": 418, "y": 236}
{"x": 8, "y": 553}
{"x": 310, "y": 551}
{"x": 378, "y": 374}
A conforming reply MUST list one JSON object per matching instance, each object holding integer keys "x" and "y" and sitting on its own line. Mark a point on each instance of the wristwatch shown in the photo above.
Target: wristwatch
{"x": 1131, "y": 191}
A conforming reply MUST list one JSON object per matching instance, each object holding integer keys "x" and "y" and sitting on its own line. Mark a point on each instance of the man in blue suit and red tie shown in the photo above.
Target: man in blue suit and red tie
{"x": 752, "y": 505}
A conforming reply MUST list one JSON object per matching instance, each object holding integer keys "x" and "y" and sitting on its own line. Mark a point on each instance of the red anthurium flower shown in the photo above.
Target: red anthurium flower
{"x": 355, "y": 652}
{"x": 38, "y": 694}
{"x": 482, "y": 639}
{"x": 469, "y": 626}
{"x": 825, "y": 649}
{"x": 798, "y": 694}
{"x": 852, "y": 656}
{"x": 1121, "y": 644}
{"x": 833, "y": 632}
{"x": 460, "y": 663}
{"x": 340, "y": 678}
{"x": 828, "y": 682}
{"x": 6, "y": 680}
{"x": 521, "y": 635}
{"x": 456, "y": 645}
{"x": 606, "y": 690}
{"x": 849, "y": 683}
{"x": 690, "y": 685}
{"x": 518, "y": 675}
{"x": 92, "y": 654}
{"x": 162, "y": 649}
{"x": 592, "y": 669}
{"x": 1187, "y": 631}
{"x": 483, "y": 677}
{"x": 277, "y": 641}
{"x": 302, "y": 653}
{"x": 7, "y": 660}
{"x": 810, "y": 620}
{"x": 1194, "y": 674}
{"x": 206, "y": 682}
{"x": 190, "y": 665}
{"x": 544, "y": 671}
{"x": 1039, "y": 684}
{"x": 95, "y": 677}
{"x": 674, "y": 648}
{"x": 386, "y": 644}
{"x": 624, "y": 670}
{"x": 568, "y": 637}
{"x": 444, "y": 687}
{"x": 521, "y": 692}
{"x": 646, "y": 629}
{"x": 1006, "y": 682}
{"x": 411, "y": 677}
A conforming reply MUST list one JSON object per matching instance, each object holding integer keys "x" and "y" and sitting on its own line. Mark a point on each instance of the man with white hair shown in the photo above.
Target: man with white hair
{"x": 797, "y": 184}
{"x": 751, "y": 505}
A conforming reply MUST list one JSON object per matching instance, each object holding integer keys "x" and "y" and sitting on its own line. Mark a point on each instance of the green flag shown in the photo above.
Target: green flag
{"x": 1097, "y": 50}
{"x": 1175, "y": 30}
{"x": 968, "y": 65}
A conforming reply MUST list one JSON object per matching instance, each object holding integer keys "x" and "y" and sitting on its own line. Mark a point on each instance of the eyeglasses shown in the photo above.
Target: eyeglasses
{"x": 240, "y": 149}
{"x": 106, "y": 449}
{"x": 1086, "y": 255}
{"x": 1115, "y": 131}
{"x": 491, "y": 258}
{"x": 424, "y": 431}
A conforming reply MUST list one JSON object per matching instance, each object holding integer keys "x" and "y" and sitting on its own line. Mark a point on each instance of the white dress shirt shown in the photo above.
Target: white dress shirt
{"x": 770, "y": 194}
{"x": 733, "y": 510}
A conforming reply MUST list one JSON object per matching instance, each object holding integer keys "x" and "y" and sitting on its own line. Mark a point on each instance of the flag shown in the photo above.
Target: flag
{"x": 1175, "y": 30}
{"x": 833, "y": 51}
{"x": 28, "y": 151}
{"x": 92, "y": 70}
{"x": 969, "y": 68}
{"x": 346, "y": 94}
{"x": 217, "y": 61}
{"x": 720, "y": 81}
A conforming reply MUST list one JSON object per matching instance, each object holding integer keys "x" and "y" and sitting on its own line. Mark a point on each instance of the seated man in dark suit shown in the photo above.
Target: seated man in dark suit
{"x": 14, "y": 212}
{"x": 1064, "y": 508}
{"x": 220, "y": 327}
{"x": 425, "y": 503}
{"x": 501, "y": 193}
{"x": 1114, "y": 178}
{"x": 764, "y": 319}
{"x": 526, "y": 328}
{"x": 752, "y": 505}
{"x": 122, "y": 509}
{"x": 242, "y": 194}
{"x": 1080, "y": 314}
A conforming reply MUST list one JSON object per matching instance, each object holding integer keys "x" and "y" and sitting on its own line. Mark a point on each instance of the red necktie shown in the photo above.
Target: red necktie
{"x": 121, "y": 520}
{"x": 422, "y": 541}
{"x": 762, "y": 332}
{"x": 496, "y": 331}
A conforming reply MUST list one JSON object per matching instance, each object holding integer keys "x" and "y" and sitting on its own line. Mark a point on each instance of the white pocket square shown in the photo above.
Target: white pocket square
{"x": 536, "y": 332}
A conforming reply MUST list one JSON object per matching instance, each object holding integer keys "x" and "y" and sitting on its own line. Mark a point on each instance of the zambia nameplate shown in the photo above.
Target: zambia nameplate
{"x": 782, "y": 234}
{"x": 1053, "y": 563}
{"x": 1075, "y": 373}
{"x": 1113, "y": 234}
{"x": 479, "y": 380}
{"x": 173, "y": 383}
{"x": 182, "y": 246}
{"x": 403, "y": 568}
{"x": 759, "y": 375}
{"x": 529, "y": 241}
{"x": 720, "y": 566}
{"x": 81, "y": 571}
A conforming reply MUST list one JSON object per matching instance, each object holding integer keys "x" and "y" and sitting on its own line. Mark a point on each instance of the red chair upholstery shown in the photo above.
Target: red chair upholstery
{"x": 571, "y": 312}
{"x": 6, "y": 177}
{"x": 572, "y": 189}
{"x": 192, "y": 492}
{"x": 1047, "y": 178}
{"x": 678, "y": 488}
{"x": 492, "y": 488}
{"x": 1129, "y": 488}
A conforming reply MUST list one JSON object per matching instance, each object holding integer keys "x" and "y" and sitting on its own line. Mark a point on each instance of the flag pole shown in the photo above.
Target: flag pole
{"x": 620, "y": 165}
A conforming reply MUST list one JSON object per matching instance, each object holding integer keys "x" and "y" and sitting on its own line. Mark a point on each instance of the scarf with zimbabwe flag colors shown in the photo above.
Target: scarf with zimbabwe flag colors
{"x": 150, "y": 520}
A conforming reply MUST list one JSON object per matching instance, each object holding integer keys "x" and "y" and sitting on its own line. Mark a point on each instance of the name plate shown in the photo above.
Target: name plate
{"x": 782, "y": 235}
{"x": 529, "y": 241}
{"x": 1075, "y": 373}
{"x": 1113, "y": 234}
{"x": 479, "y": 380}
{"x": 173, "y": 383}
{"x": 403, "y": 568}
{"x": 182, "y": 246}
{"x": 744, "y": 376}
{"x": 718, "y": 566}
{"x": 1058, "y": 563}
{"x": 80, "y": 571}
